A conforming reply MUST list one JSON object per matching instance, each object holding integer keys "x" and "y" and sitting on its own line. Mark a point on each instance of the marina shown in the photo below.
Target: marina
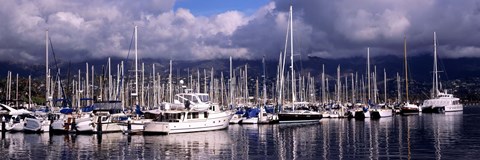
{"x": 274, "y": 80}
{"x": 424, "y": 136}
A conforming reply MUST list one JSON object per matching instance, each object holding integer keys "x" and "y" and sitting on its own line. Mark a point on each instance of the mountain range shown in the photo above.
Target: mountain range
{"x": 420, "y": 67}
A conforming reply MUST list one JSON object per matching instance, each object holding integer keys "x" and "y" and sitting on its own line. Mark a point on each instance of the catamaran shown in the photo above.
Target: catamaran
{"x": 440, "y": 102}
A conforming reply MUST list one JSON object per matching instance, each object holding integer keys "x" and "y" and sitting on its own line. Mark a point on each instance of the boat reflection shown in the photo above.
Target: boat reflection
{"x": 446, "y": 131}
{"x": 401, "y": 137}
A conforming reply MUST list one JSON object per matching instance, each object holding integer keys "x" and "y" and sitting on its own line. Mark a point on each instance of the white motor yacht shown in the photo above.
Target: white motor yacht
{"x": 202, "y": 115}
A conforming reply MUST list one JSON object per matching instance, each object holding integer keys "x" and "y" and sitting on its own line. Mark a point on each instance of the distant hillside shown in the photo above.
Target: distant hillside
{"x": 420, "y": 67}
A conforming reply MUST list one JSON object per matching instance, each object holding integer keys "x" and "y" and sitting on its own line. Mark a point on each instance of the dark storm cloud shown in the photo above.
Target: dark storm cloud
{"x": 82, "y": 30}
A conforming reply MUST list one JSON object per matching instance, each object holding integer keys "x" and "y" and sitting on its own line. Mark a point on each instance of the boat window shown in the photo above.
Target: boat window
{"x": 189, "y": 115}
{"x": 167, "y": 116}
{"x": 203, "y": 98}
{"x": 205, "y": 114}
{"x": 195, "y": 115}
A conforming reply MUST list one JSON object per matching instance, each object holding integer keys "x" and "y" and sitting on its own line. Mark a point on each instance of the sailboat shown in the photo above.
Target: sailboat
{"x": 297, "y": 112}
{"x": 407, "y": 108}
{"x": 363, "y": 110}
{"x": 382, "y": 110}
{"x": 440, "y": 102}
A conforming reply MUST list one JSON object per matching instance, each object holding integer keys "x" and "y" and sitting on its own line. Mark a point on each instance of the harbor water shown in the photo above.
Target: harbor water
{"x": 425, "y": 136}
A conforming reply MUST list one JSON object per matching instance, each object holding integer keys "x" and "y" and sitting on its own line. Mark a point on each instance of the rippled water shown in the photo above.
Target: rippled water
{"x": 425, "y": 136}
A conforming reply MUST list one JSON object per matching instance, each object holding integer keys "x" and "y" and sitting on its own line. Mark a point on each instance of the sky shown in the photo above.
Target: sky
{"x": 245, "y": 29}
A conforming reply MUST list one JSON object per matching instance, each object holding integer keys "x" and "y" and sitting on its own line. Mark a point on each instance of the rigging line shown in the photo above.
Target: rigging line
{"x": 56, "y": 67}
{"x": 128, "y": 55}
{"x": 442, "y": 65}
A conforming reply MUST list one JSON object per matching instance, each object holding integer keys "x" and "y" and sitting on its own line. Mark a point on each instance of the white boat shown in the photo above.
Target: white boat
{"x": 201, "y": 116}
{"x": 326, "y": 114}
{"x": 84, "y": 126}
{"x": 251, "y": 116}
{"x": 104, "y": 118}
{"x": 251, "y": 120}
{"x": 15, "y": 119}
{"x": 361, "y": 111}
{"x": 15, "y": 124}
{"x": 443, "y": 103}
{"x": 33, "y": 124}
{"x": 297, "y": 113}
{"x": 62, "y": 123}
{"x": 267, "y": 118}
{"x": 133, "y": 126}
{"x": 65, "y": 121}
{"x": 104, "y": 122}
{"x": 361, "y": 114}
{"x": 182, "y": 121}
{"x": 236, "y": 119}
{"x": 409, "y": 109}
{"x": 440, "y": 102}
{"x": 381, "y": 113}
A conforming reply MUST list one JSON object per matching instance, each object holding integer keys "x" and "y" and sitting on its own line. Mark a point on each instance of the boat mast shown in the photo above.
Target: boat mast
{"x": 282, "y": 72}
{"x": 155, "y": 100}
{"x": 47, "y": 74}
{"x": 375, "y": 89}
{"x": 264, "y": 83}
{"x": 87, "y": 82}
{"x": 323, "y": 84}
{"x": 136, "y": 68}
{"x": 368, "y": 72}
{"x": 353, "y": 90}
{"x": 385, "y": 85}
{"x": 435, "y": 69}
{"x": 29, "y": 91}
{"x": 338, "y": 84}
{"x": 109, "y": 79}
{"x": 406, "y": 66}
{"x": 231, "y": 82}
{"x": 170, "y": 84}
{"x": 399, "y": 95}
{"x": 291, "y": 58}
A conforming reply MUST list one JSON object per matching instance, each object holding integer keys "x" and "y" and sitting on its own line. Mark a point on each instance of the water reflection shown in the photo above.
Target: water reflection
{"x": 439, "y": 136}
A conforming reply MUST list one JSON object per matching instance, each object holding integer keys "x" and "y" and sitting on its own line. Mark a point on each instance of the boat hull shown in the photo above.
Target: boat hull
{"x": 381, "y": 113}
{"x": 269, "y": 119}
{"x": 84, "y": 127}
{"x": 453, "y": 108}
{"x": 252, "y": 120}
{"x": 407, "y": 111}
{"x": 431, "y": 109}
{"x": 15, "y": 127}
{"x": 32, "y": 125}
{"x": 216, "y": 122}
{"x": 136, "y": 126}
{"x": 299, "y": 117}
{"x": 236, "y": 119}
{"x": 362, "y": 114}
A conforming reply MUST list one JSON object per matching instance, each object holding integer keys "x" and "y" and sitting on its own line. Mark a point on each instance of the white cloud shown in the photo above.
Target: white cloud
{"x": 97, "y": 29}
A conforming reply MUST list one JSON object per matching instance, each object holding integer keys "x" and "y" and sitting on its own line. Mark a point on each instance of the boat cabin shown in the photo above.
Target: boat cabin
{"x": 181, "y": 116}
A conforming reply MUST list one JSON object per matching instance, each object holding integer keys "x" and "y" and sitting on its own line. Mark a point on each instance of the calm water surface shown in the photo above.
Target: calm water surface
{"x": 425, "y": 136}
